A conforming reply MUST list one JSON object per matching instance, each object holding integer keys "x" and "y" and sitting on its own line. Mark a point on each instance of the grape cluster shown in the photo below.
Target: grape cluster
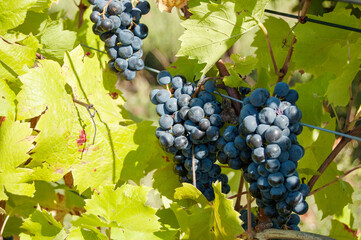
{"x": 190, "y": 126}
{"x": 269, "y": 153}
{"x": 117, "y": 24}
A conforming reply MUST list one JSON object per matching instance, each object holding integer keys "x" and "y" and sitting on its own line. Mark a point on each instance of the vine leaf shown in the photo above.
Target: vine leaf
{"x": 14, "y": 145}
{"x": 341, "y": 231}
{"x": 168, "y": 5}
{"x": 278, "y": 31}
{"x": 42, "y": 225}
{"x": 338, "y": 52}
{"x": 126, "y": 208}
{"x": 13, "y": 13}
{"x": 214, "y": 28}
{"x": 56, "y": 40}
{"x": 17, "y": 53}
{"x": 48, "y": 90}
{"x": 216, "y": 220}
{"x": 7, "y": 97}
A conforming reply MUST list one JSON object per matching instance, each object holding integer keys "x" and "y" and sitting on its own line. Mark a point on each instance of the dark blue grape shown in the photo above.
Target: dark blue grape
{"x": 141, "y": 31}
{"x": 281, "y": 89}
{"x": 144, "y": 6}
{"x": 164, "y": 77}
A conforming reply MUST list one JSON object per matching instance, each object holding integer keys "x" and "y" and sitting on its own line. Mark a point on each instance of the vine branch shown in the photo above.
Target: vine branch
{"x": 289, "y": 234}
{"x": 237, "y": 206}
{"x": 231, "y": 91}
{"x": 269, "y": 46}
{"x": 356, "y": 131}
{"x": 92, "y": 115}
{"x": 335, "y": 180}
{"x": 286, "y": 64}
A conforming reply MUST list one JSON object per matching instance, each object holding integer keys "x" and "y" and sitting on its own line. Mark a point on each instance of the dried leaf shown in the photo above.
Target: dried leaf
{"x": 167, "y": 5}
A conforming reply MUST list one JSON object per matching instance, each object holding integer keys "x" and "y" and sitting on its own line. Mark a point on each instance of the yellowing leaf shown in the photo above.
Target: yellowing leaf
{"x": 168, "y": 5}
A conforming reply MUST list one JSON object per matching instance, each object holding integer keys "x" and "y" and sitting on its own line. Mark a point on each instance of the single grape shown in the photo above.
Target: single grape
{"x": 164, "y": 77}
{"x": 195, "y": 114}
{"x": 135, "y": 63}
{"x": 115, "y": 8}
{"x": 281, "y": 89}
{"x": 128, "y": 74}
{"x": 144, "y": 6}
{"x": 163, "y": 96}
{"x": 178, "y": 81}
{"x": 165, "y": 122}
{"x": 121, "y": 64}
{"x": 125, "y": 51}
{"x": 107, "y": 24}
{"x": 141, "y": 31}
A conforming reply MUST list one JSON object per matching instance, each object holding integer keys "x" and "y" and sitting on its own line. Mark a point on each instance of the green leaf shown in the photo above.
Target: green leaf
{"x": 214, "y": 28}
{"x": 243, "y": 65}
{"x": 195, "y": 222}
{"x": 126, "y": 206}
{"x": 217, "y": 220}
{"x": 334, "y": 191}
{"x": 188, "y": 191}
{"x": 234, "y": 80}
{"x": 338, "y": 53}
{"x": 34, "y": 23}
{"x": 41, "y": 5}
{"x": 17, "y": 53}
{"x": 56, "y": 41}
{"x": 7, "y": 97}
{"x": 278, "y": 31}
{"x": 227, "y": 221}
{"x": 311, "y": 102}
{"x": 13, "y": 13}
{"x": 42, "y": 226}
{"x": 88, "y": 233}
{"x": 341, "y": 231}
{"x": 166, "y": 174}
{"x": 189, "y": 68}
{"x": 15, "y": 143}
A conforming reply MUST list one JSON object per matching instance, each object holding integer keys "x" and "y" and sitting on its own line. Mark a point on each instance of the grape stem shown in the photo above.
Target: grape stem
{"x": 104, "y": 9}
{"x": 269, "y": 47}
{"x": 335, "y": 180}
{"x": 249, "y": 216}
{"x": 286, "y": 64}
{"x": 237, "y": 206}
{"x": 233, "y": 92}
{"x": 289, "y": 234}
{"x": 240, "y": 194}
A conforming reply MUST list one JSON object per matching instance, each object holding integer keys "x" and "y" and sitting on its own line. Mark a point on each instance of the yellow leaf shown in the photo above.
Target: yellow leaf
{"x": 167, "y": 5}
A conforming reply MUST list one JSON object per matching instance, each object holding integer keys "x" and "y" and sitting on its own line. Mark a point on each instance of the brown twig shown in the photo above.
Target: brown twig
{"x": 289, "y": 234}
{"x": 269, "y": 46}
{"x": 356, "y": 131}
{"x": 237, "y": 206}
{"x": 249, "y": 216}
{"x": 335, "y": 180}
{"x": 305, "y": 7}
{"x": 231, "y": 91}
{"x": 237, "y": 195}
{"x": 92, "y": 115}
{"x": 286, "y": 64}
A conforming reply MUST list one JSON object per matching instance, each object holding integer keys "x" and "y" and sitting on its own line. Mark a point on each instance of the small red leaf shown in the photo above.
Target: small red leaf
{"x": 82, "y": 138}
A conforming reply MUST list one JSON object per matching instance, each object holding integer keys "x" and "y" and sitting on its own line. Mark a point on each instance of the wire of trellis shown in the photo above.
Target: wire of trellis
{"x": 237, "y": 100}
{"x": 308, "y": 19}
